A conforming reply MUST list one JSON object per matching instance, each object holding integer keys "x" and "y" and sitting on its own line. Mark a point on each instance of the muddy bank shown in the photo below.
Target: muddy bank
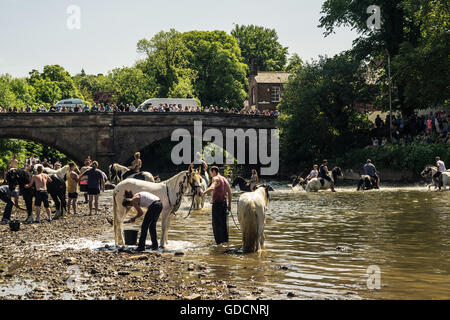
{"x": 69, "y": 259}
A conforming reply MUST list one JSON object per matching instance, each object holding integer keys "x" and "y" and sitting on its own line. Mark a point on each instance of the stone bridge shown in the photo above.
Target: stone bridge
{"x": 114, "y": 137}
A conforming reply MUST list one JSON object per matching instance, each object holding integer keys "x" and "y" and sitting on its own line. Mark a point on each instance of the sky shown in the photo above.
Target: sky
{"x": 35, "y": 33}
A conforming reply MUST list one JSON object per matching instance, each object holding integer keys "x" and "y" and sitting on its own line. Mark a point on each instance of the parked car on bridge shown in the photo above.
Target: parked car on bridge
{"x": 155, "y": 102}
{"x": 70, "y": 103}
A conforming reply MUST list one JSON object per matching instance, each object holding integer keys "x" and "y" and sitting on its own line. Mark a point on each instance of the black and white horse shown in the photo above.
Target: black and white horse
{"x": 170, "y": 192}
{"x": 243, "y": 185}
{"x": 367, "y": 182}
{"x": 316, "y": 184}
{"x": 299, "y": 181}
{"x": 56, "y": 189}
{"x": 444, "y": 179}
{"x": 117, "y": 173}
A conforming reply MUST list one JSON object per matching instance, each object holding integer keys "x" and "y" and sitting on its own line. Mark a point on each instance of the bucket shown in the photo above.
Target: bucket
{"x": 130, "y": 237}
{"x": 14, "y": 226}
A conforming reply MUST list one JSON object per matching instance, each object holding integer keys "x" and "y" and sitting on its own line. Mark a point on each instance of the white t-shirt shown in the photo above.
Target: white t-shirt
{"x": 441, "y": 167}
{"x": 147, "y": 199}
{"x": 314, "y": 174}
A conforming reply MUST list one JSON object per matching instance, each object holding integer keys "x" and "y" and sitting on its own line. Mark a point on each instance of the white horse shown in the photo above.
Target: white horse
{"x": 316, "y": 184}
{"x": 430, "y": 171}
{"x": 117, "y": 171}
{"x": 61, "y": 173}
{"x": 170, "y": 192}
{"x": 199, "y": 200}
{"x": 252, "y": 207}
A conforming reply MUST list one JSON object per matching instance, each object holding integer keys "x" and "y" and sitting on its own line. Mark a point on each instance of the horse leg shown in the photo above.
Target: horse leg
{"x": 166, "y": 234}
{"x": 28, "y": 198}
{"x": 164, "y": 226}
{"x": 54, "y": 196}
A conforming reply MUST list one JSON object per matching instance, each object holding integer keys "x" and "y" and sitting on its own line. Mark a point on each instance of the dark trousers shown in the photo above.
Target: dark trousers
{"x": 8, "y": 208}
{"x": 149, "y": 224}
{"x": 219, "y": 221}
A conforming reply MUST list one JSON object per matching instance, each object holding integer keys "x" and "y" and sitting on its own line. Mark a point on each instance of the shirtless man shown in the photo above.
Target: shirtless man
{"x": 40, "y": 180}
{"x": 13, "y": 163}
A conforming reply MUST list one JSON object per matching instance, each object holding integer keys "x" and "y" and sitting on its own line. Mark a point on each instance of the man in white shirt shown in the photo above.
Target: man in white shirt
{"x": 154, "y": 207}
{"x": 132, "y": 108}
{"x": 440, "y": 169}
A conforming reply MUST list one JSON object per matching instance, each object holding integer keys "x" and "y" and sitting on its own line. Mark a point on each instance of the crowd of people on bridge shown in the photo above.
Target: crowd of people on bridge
{"x": 431, "y": 128}
{"x": 106, "y": 108}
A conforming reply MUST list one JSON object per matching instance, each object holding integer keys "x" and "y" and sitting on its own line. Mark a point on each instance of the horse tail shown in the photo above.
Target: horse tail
{"x": 249, "y": 225}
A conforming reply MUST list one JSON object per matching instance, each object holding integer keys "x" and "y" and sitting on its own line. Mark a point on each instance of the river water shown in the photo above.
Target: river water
{"x": 327, "y": 246}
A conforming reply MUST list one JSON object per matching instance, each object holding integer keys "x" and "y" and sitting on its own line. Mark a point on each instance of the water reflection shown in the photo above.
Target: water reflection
{"x": 320, "y": 245}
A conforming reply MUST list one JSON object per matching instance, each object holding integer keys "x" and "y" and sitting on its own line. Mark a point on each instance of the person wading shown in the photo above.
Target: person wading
{"x": 154, "y": 208}
{"x": 95, "y": 183}
{"x": 221, "y": 190}
{"x": 440, "y": 169}
{"x": 40, "y": 180}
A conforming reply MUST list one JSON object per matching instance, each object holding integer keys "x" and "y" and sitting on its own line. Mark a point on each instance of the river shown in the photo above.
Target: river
{"x": 320, "y": 246}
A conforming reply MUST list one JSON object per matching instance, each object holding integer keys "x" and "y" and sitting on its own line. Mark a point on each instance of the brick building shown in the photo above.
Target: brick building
{"x": 266, "y": 89}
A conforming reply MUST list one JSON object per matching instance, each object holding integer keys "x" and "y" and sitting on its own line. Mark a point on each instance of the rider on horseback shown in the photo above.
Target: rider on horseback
{"x": 323, "y": 173}
{"x": 370, "y": 170}
{"x": 441, "y": 168}
{"x": 135, "y": 166}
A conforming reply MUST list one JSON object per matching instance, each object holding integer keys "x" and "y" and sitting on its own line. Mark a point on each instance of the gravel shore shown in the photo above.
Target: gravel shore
{"x": 38, "y": 262}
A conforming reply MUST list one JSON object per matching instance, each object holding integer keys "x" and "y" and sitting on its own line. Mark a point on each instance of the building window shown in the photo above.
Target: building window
{"x": 276, "y": 94}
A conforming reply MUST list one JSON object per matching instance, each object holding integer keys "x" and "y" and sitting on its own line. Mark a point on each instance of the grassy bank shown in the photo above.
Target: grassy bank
{"x": 413, "y": 157}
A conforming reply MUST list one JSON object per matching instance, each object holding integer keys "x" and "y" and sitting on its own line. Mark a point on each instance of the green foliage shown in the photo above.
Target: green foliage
{"x": 415, "y": 35}
{"x": 199, "y": 64}
{"x": 413, "y": 157}
{"x": 53, "y": 84}
{"x": 25, "y": 149}
{"x": 319, "y": 116}
{"x": 261, "y": 45}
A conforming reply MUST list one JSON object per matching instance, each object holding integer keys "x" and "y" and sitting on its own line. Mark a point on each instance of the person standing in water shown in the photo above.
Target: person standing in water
{"x": 221, "y": 190}
{"x": 253, "y": 180}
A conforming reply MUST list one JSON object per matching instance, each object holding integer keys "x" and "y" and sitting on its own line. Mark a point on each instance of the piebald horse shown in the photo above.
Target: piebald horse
{"x": 117, "y": 171}
{"x": 170, "y": 192}
{"x": 316, "y": 184}
{"x": 252, "y": 207}
{"x": 61, "y": 173}
{"x": 430, "y": 171}
{"x": 367, "y": 182}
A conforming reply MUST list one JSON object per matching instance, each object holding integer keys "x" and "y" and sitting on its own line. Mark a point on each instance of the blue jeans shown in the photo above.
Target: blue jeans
{"x": 8, "y": 208}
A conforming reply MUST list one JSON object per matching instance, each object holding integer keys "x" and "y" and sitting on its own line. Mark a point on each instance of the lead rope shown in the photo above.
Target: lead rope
{"x": 232, "y": 216}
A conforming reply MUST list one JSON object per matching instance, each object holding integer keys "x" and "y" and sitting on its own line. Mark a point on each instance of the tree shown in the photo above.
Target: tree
{"x": 53, "y": 84}
{"x": 294, "y": 63}
{"x": 319, "y": 110}
{"x": 406, "y": 25}
{"x": 216, "y": 58}
{"x": 261, "y": 45}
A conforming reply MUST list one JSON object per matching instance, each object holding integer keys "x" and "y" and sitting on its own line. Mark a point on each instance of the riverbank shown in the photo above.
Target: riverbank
{"x": 50, "y": 261}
